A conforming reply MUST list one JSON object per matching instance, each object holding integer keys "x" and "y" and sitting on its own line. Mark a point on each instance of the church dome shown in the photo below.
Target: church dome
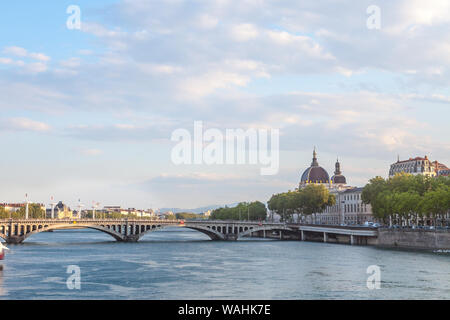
{"x": 315, "y": 173}
{"x": 338, "y": 178}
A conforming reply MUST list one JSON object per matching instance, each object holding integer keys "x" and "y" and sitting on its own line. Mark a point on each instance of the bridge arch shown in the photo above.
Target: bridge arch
{"x": 213, "y": 234}
{"x": 249, "y": 230}
{"x": 44, "y": 228}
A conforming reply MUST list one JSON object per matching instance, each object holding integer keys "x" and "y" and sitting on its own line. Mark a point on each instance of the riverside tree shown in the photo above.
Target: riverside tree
{"x": 306, "y": 201}
{"x": 255, "y": 211}
{"x": 34, "y": 212}
{"x": 409, "y": 199}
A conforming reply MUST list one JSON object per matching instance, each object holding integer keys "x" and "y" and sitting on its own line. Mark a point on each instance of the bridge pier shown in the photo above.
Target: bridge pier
{"x": 325, "y": 237}
{"x": 14, "y": 239}
{"x": 130, "y": 238}
{"x": 352, "y": 239}
{"x": 231, "y": 237}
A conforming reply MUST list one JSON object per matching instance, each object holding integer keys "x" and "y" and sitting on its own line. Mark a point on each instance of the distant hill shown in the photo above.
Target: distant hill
{"x": 197, "y": 210}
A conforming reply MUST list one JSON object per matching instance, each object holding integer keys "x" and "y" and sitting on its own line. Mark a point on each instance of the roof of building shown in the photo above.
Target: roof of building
{"x": 356, "y": 189}
{"x": 412, "y": 159}
{"x": 440, "y": 166}
{"x": 339, "y": 179}
{"x": 315, "y": 173}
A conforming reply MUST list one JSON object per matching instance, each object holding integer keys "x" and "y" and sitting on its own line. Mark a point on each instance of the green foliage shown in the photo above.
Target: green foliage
{"x": 243, "y": 211}
{"x": 188, "y": 215}
{"x": 3, "y": 213}
{"x": 34, "y": 212}
{"x": 311, "y": 199}
{"x": 404, "y": 195}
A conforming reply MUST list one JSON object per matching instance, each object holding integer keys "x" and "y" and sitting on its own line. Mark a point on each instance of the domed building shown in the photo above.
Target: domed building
{"x": 338, "y": 178}
{"x": 315, "y": 173}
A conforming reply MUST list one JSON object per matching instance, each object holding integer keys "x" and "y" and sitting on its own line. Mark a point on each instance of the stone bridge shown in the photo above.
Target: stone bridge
{"x": 131, "y": 230}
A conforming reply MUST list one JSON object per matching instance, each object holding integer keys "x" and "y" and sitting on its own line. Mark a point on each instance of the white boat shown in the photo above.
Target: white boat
{"x": 2, "y": 251}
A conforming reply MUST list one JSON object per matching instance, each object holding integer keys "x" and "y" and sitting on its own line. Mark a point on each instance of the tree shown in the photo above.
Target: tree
{"x": 188, "y": 215}
{"x": 405, "y": 195}
{"x": 309, "y": 200}
{"x": 372, "y": 190}
{"x": 243, "y": 211}
{"x": 3, "y": 213}
{"x": 34, "y": 212}
{"x": 436, "y": 202}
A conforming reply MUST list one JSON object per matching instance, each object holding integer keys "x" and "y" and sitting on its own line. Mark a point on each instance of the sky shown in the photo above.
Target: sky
{"x": 88, "y": 113}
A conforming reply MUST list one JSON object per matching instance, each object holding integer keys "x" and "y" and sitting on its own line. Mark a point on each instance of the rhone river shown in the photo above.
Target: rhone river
{"x": 184, "y": 264}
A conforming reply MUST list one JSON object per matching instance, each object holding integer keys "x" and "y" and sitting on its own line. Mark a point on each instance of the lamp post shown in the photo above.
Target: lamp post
{"x": 79, "y": 209}
{"x": 53, "y": 207}
{"x": 94, "y": 206}
{"x": 26, "y": 206}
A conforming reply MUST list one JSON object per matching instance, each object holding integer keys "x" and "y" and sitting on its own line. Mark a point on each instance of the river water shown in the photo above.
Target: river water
{"x": 184, "y": 264}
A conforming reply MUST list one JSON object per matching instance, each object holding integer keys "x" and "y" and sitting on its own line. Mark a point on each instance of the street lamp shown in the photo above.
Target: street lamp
{"x": 79, "y": 208}
{"x": 53, "y": 208}
{"x": 26, "y": 206}
{"x": 94, "y": 206}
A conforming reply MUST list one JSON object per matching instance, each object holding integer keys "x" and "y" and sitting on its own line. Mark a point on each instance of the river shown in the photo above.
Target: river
{"x": 185, "y": 264}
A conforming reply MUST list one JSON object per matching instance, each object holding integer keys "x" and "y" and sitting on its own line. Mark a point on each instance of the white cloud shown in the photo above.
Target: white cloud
{"x": 21, "y": 52}
{"x": 24, "y": 124}
{"x": 91, "y": 152}
{"x": 206, "y": 21}
{"x": 244, "y": 32}
{"x": 312, "y": 69}
{"x": 16, "y": 51}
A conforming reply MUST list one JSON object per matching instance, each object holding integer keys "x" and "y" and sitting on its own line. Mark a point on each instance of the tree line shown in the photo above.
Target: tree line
{"x": 252, "y": 211}
{"x": 307, "y": 201}
{"x": 408, "y": 199}
{"x": 34, "y": 212}
{"x": 304, "y": 202}
{"x": 189, "y": 215}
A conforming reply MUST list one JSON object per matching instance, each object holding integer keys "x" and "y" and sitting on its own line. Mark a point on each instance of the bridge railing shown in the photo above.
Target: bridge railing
{"x": 87, "y": 220}
{"x": 137, "y": 221}
{"x": 331, "y": 226}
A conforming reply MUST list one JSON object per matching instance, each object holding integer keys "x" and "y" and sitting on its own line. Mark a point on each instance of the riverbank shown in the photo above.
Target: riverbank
{"x": 414, "y": 239}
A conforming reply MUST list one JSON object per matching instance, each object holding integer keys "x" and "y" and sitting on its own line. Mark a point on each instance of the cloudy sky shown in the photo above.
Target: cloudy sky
{"x": 88, "y": 114}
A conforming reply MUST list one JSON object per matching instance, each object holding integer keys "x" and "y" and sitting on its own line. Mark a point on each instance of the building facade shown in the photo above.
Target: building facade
{"x": 349, "y": 208}
{"x": 441, "y": 169}
{"x": 419, "y": 165}
{"x": 12, "y": 207}
{"x": 414, "y": 166}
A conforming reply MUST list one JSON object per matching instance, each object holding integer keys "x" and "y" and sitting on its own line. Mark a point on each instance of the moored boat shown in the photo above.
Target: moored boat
{"x": 2, "y": 251}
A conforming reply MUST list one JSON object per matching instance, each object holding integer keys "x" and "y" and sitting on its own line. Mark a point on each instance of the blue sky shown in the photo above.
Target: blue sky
{"x": 89, "y": 113}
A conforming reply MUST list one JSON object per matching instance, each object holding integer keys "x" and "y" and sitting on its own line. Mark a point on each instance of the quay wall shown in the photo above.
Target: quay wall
{"x": 414, "y": 239}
